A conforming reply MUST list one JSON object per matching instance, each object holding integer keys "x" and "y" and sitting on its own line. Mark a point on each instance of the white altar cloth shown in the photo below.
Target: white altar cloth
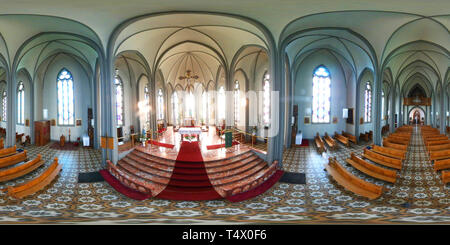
{"x": 190, "y": 130}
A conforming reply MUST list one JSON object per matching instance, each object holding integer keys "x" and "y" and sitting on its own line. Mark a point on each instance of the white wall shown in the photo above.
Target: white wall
{"x": 46, "y": 97}
{"x": 303, "y": 94}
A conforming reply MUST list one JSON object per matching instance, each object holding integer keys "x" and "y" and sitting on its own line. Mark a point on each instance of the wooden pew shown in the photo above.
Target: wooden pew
{"x": 351, "y": 182}
{"x": 438, "y": 147}
{"x": 13, "y": 159}
{"x": 2, "y": 144}
{"x": 370, "y": 133}
{"x": 437, "y": 142}
{"x": 344, "y": 140}
{"x": 445, "y": 177}
{"x": 390, "y": 152}
{"x": 364, "y": 137}
{"x": 381, "y": 159}
{"x": 35, "y": 185}
{"x": 371, "y": 169}
{"x": 8, "y": 151}
{"x": 330, "y": 142}
{"x": 398, "y": 140}
{"x": 19, "y": 137}
{"x": 386, "y": 143}
{"x": 21, "y": 170}
{"x": 319, "y": 144}
{"x": 438, "y": 155}
{"x": 350, "y": 137}
{"x": 441, "y": 164}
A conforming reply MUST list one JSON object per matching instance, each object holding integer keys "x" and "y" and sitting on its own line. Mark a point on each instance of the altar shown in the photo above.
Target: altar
{"x": 190, "y": 131}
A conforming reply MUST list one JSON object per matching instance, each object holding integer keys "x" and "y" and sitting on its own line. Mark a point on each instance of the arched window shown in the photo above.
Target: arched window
{"x": 382, "y": 105}
{"x": 147, "y": 103}
{"x": 368, "y": 103}
{"x": 65, "y": 98}
{"x": 175, "y": 107}
{"x": 266, "y": 99}
{"x": 221, "y": 104}
{"x": 321, "y": 104}
{"x": 4, "y": 106}
{"x": 119, "y": 101}
{"x": 160, "y": 105}
{"x": 20, "y": 103}
{"x": 236, "y": 102}
{"x": 204, "y": 105}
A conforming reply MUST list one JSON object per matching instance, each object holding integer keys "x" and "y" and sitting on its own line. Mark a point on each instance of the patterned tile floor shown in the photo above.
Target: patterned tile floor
{"x": 418, "y": 196}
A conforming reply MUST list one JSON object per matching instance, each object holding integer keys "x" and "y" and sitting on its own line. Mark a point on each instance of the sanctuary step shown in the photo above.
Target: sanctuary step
{"x": 189, "y": 177}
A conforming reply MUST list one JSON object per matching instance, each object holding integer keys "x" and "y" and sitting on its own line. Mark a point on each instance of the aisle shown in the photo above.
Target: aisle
{"x": 189, "y": 180}
{"x": 418, "y": 185}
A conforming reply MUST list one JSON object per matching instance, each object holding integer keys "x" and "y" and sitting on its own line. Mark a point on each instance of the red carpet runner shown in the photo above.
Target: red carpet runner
{"x": 257, "y": 190}
{"x": 115, "y": 183}
{"x": 153, "y": 142}
{"x": 189, "y": 181}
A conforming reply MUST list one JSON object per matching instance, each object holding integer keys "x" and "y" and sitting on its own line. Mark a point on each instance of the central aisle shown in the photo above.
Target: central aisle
{"x": 418, "y": 184}
{"x": 189, "y": 180}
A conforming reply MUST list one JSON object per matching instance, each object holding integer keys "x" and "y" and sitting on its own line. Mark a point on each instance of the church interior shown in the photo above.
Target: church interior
{"x": 236, "y": 112}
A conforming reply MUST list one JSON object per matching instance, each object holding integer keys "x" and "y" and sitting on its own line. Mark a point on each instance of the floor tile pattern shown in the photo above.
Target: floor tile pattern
{"x": 418, "y": 196}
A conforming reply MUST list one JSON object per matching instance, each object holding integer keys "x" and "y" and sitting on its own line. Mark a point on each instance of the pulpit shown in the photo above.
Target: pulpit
{"x": 62, "y": 140}
{"x": 42, "y": 132}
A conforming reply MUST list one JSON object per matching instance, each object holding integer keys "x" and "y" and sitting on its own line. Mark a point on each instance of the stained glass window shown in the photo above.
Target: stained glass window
{"x": 175, "y": 107}
{"x": 321, "y": 103}
{"x": 236, "y": 102}
{"x": 266, "y": 99}
{"x": 119, "y": 101}
{"x": 382, "y": 105}
{"x": 160, "y": 104}
{"x": 20, "y": 103}
{"x": 190, "y": 104}
{"x": 221, "y": 103}
{"x": 204, "y": 106}
{"x": 4, "y": 104}
{"x": 368, "y": 103}
{"x": 65, "y": 98}
{"x": 147, "y": 98}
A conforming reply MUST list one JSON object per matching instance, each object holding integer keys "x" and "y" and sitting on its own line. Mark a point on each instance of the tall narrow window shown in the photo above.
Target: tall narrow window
{"x": 175, "y": 108}
{"x": 368, "y": 103}
{"x": 221, "y": 103}
{"x": 4, "y": 106}
{"x": 65, "y": 98}
{"x": 266, "y": 99}
{"x": 147, "y": 103}
{"x": 204, "y": 106}
{"x": 20, "y": 103}
{"x": 382, "y": 105}
{"x": 321, "y": 103}
{"x": 119, "y": 101}
{"x": 160, "y": 104}
{"x": 236, "y": 103}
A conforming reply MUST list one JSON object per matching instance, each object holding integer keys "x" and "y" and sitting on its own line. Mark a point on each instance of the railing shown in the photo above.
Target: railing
{"x": 254, "y": 138}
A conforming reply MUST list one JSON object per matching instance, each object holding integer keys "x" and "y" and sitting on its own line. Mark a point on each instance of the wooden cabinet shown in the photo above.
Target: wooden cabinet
{"x": 42, "y": 132}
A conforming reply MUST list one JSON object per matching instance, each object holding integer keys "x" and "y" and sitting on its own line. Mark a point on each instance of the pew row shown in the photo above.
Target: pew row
{"x": 445, "y": 177}
{"x": 441, "y": 164}
{"x": 438, "y": 147}
{"x": 383, "y": 160}
{"x": 330, "y": 141}
{"x": 371, "y": 169}
{"x": 390, "y": 152}
{"x": 13, "y": 159}
{"x": 8, "y": 151}
{"x": 351, "y": 182}
{"x": 438, "y": 155}
{"x": 350, "y": 137}
{"x": 394, "y": 145}
{"x": 344, "y": 140}
{"x": 319, "y": 144}
{"x": 37, "y": 184}
{"x": 21, "y": 170}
